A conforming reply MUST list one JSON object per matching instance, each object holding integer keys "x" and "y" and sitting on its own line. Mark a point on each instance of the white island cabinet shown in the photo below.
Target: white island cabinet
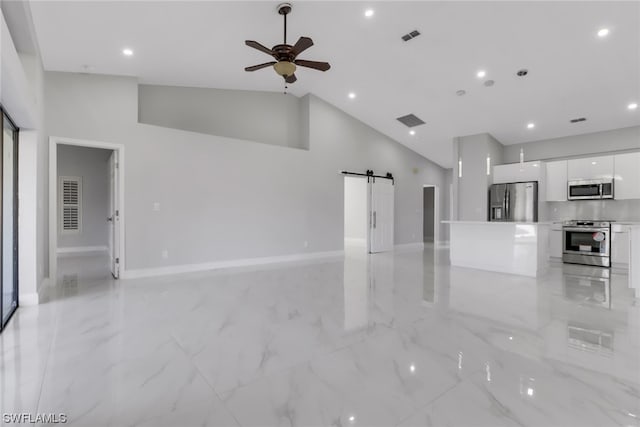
{"x": 507, "y": 247}
{"x": 634, "y": 258}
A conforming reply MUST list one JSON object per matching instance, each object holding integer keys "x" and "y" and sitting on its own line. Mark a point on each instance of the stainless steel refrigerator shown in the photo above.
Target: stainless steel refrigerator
{"x": 514, "y": 202}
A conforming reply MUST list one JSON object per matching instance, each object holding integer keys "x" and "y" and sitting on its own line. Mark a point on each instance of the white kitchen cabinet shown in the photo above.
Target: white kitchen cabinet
{"x": 556, "y": 181}
{"x": 555, "y": 243}
{"x": 627, "y": 176}
{"x": 590, "y": 168}
{"x": 620, "y": 247}
{"x": 517, "y": 172}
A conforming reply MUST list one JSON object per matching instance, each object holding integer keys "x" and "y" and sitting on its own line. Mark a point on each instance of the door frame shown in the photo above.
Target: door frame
{"x": 16, "y": 212}
{"x": 54, "y": 141}
{"x": 436, "y": 216}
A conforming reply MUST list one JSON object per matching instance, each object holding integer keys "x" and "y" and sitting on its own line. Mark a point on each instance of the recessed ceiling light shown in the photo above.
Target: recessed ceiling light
{"x": 369, "y": 13}
{"x": 412, "y": 132}
{"x": 632, "y": 106}
{"x": 594, "y": 163}
{"x": 481, "y": 74}
{"x": 523, "y": 72}
{"x": 531, "y": 125}
{"x": 127, "y": 52}
{"x": 352, "y": 95}
{"x": 603, "y": 32}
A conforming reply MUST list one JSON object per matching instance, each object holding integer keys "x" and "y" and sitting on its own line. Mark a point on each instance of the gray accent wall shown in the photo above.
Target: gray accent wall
{"x": 268, "y": 117}
{"x": 92, "y": 166}
{"x": 222, "y": 198}
{"x": 625, "y": 139}
{"x": 471, "y": 190}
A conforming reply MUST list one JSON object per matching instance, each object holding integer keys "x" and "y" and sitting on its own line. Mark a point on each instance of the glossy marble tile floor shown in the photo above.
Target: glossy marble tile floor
{"x": 390, "y": 339}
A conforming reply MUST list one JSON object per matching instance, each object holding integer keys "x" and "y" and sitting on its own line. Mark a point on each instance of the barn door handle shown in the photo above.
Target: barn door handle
{"x": 374, "y": 219}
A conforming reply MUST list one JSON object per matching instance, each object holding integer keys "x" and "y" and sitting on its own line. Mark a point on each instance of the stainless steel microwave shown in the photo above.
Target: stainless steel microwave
{"x": 590, "y": 189}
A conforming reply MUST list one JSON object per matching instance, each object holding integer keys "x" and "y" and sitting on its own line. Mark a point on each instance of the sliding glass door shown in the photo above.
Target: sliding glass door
{"x": 8, "y": 220}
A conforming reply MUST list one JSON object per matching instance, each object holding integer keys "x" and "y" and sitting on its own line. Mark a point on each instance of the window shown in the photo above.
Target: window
{"x": 70, "y": 193}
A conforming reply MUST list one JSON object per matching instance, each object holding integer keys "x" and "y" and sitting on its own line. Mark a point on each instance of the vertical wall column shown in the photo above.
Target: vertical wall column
{"x": 27, "y": 218}
{"x": 473, "y": 159}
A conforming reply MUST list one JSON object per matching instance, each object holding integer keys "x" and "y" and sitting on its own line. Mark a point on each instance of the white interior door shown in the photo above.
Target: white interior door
{"x": 114, "y": 216}
{"x": 380, "y": 215}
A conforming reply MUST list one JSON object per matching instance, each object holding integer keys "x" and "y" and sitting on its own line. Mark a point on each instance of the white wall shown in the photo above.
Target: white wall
{"x": 21, "y": 76}
{"x": 355, "y": 209}
{"x": 222, "y": 198}
{"x": 92, "y": 166}
{"x": 624, "y": 139}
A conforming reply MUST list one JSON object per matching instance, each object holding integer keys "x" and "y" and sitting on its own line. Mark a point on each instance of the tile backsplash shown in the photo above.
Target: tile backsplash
{"x": 613, "y": 210}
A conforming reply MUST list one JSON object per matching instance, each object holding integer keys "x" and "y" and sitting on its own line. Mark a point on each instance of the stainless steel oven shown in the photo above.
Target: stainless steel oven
{"x": 590, "y": 189}
{"x": 587, "y": 242}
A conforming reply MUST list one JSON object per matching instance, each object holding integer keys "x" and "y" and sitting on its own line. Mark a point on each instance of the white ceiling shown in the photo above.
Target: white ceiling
{"x": 572, "y": 72}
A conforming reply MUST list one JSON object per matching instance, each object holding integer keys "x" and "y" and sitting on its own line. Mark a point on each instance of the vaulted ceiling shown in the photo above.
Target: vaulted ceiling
{"x": 572, "y": 72}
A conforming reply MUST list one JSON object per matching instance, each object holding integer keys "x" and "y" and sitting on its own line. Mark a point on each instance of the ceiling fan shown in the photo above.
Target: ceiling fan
{"x": 285, "y": 55}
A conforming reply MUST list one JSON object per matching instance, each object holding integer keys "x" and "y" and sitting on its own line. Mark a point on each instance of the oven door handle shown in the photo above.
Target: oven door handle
{"x": 585, "y": 230}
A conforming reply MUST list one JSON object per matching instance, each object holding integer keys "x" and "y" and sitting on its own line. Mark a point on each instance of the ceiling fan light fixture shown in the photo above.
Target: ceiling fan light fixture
{"x": 285, "y": 68}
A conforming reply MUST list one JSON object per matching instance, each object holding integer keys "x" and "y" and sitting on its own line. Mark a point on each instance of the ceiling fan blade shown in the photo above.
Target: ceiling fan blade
{"x": 322, "y": 66}
{"x": 302, "y": 44}
{"x": 260, "y": 66}
{"x": 256, "y": 45}
{"x": 290, "y": 79}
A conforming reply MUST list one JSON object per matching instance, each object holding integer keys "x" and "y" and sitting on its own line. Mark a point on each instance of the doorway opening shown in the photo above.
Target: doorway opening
{"x": 369, "y": 213}
{"x": 430, "y": 218}
{"x": 356, "y": 212}
{"x": 86, "y": 215}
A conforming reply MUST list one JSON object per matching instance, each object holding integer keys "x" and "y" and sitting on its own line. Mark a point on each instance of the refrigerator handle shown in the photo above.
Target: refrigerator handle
{"x": 506, "y": 204}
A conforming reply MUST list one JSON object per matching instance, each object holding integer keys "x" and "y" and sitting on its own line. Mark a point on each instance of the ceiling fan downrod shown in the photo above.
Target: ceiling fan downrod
{"x": 284, "y": 9}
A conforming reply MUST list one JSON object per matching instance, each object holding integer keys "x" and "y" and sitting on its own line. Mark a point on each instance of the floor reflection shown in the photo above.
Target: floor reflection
{"x": 396, "y": 338}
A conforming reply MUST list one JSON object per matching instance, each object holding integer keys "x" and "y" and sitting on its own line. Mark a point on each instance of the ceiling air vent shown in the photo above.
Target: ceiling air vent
{"x": 413, "y": 34}
{"x": 578, "y": 120}
{"x": 410, "y": 120}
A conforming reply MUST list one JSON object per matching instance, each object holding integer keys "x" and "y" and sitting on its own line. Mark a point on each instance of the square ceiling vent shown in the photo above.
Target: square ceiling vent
{"x": 410, "y": 120}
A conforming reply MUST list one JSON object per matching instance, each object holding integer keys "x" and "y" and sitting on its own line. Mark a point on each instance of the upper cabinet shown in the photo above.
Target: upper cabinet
{"x": 518, "y": 172}
{"x": 627, "y": 176}
{"x": 556, "y": 182}
{"x": 590, "y": 168}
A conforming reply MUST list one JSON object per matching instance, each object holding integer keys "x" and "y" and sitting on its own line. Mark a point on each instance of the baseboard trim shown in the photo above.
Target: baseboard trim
{"x": 235, "y": 263}
{"x": 352, "y": 241}
{"x": 418, "y": 246}
{"x": 81, "y": 249}
{"x": 26, "y": 300}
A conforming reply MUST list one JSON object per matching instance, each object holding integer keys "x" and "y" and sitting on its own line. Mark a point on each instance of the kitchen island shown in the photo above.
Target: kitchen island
{"x": 506, "y": 247}
{"x": 634, "y": 258}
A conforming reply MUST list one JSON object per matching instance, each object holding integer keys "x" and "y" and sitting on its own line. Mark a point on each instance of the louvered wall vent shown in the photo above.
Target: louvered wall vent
{"x": 412, "y": 35}
{"x": 70, "y": 204}
{"x": 410, "y": 120}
